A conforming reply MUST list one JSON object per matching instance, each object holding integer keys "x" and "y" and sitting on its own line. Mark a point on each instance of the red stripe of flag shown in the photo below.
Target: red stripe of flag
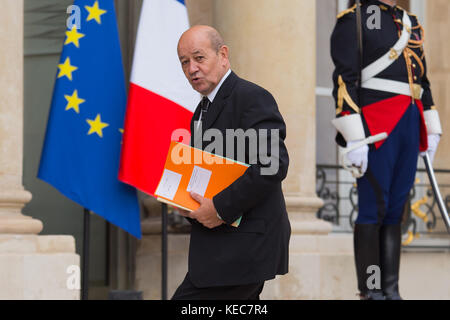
{"x": 149, "y": 123}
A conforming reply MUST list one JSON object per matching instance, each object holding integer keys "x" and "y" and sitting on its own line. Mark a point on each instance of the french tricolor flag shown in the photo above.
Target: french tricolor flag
{"x": 160, "y": 98}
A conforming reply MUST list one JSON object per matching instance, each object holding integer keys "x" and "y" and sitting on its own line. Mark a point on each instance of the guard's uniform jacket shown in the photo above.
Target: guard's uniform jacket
{"x": 395, "y": 98}
{"x": 394, "y": 74}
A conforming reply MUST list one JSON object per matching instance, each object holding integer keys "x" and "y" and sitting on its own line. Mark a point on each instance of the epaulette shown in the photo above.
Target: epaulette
{"x": 343, "y": 13}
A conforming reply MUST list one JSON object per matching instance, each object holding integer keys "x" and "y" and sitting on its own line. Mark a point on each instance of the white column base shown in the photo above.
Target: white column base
{"x": 38, "y": 268}
{"x": 320, "y": 267}
{"x": 12, "y": 221}
{"x": 302, "y": 215}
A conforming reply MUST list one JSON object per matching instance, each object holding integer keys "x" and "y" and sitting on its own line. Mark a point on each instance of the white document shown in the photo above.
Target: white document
{"x": 168, "y": 186}
{"x": 199, "y": 180}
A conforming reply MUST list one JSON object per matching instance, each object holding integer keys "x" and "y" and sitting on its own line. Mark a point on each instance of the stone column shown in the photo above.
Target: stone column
{"x": 273, "y": 44}
{"x": 12, "y": 194}
{"x": 200, "y": 12}
{"x": 437, "y": 50}
{"x": 31, "y": 266}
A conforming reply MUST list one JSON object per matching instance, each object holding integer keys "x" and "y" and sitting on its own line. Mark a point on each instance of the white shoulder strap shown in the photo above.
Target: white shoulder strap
{"x": 386, "y": 60}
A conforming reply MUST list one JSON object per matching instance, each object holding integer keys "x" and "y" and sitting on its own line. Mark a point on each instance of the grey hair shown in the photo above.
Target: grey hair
{"x": 216, "y": 40}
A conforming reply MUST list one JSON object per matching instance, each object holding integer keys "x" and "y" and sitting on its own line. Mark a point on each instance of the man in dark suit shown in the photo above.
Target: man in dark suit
{"x": 226, "y": 262}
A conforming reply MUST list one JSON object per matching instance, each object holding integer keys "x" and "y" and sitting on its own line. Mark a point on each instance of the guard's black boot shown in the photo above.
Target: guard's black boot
{"x": 390, "y": 247}
{"x": 366, "y": 240}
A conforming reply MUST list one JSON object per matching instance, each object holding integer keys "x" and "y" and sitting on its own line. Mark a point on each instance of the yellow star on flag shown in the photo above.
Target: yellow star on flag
{"x": 66, "y": 69}
{"x": 121, "y": 131}
{"x": 97, "y": 126}
{"x": 73, "y": 36}
{"x": 73, "y": 102}
{"x": 95, "y": 13}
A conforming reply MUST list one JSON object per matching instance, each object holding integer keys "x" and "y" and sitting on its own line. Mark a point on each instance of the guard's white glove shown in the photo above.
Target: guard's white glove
{"x": 433, "y": 141}
{"x": 358, "y": 158}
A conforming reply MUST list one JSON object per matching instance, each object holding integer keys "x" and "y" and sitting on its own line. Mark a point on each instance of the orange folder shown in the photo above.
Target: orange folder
{"x": 191, "y": 169}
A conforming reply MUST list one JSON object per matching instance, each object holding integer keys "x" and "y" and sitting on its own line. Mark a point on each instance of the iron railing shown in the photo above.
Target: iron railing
{"x": 421, "y": 215}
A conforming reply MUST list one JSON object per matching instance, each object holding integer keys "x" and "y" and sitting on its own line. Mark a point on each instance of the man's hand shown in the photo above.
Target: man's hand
{"x": 358, "y": 157}
{"x": 433, "y": 141}
{"x": 184, "y": 213}
{"x": 206, "y": 214}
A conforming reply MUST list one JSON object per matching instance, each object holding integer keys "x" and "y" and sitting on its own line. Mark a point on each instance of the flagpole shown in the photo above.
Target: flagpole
{"x": 85, "y": 271}
{"x": 164, "y": 252}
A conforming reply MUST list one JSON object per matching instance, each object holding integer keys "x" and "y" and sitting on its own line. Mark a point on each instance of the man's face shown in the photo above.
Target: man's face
{"x": 202, "y": 65}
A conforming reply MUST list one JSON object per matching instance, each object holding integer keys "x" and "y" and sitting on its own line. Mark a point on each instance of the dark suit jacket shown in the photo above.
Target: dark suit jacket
{"x": 258, "y": 249}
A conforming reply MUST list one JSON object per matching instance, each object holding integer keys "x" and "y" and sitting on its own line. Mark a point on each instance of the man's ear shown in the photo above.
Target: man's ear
{"x": 223, "y": 51}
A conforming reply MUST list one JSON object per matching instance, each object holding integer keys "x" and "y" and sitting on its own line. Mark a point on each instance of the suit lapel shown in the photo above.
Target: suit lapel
{"x": 219, "y": 101}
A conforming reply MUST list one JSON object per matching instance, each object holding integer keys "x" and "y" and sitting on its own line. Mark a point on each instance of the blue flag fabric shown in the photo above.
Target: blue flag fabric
{"x": 82, "y": 145}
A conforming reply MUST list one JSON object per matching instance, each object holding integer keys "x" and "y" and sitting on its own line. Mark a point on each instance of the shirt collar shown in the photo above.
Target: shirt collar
{"x": 213, "y": 93}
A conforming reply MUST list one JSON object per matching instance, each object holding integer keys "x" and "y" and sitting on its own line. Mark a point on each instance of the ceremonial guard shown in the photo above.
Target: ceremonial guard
{"x": 381, "y": 85}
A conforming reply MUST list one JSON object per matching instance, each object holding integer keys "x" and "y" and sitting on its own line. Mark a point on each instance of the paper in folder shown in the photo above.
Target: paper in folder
{"x": 190, "y": 169}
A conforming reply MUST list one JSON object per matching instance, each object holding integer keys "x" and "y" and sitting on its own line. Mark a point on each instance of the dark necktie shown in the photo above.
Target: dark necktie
{"x": 204, "y": 104}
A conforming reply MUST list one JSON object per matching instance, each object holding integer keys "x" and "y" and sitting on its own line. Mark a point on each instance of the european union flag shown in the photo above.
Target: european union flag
{"x": 81, "y": 152}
